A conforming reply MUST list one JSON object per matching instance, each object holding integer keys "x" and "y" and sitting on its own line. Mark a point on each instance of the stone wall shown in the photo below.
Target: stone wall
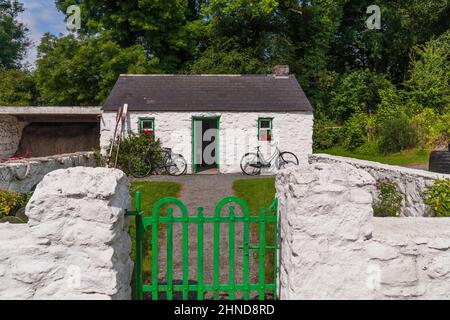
{"x": 411, "y": 182}
{"x": 20, "y": 176}
{"x": 331, "y": 246}
{"x": 238, "y": 133}
{"x": 47, "y": 139}
{"x": 76, "y": 244}
{"x": 10, "y": 134}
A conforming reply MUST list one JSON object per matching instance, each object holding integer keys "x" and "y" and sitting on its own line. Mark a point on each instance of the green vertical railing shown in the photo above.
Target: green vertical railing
{"x": 246, "y": 257}
{"x": 169, "y": 253}
{"x": 216, "y": 253}
{"x": 200, "y": 254}
{"x": 216, "y": 287}
{"x": 231, "y": 250}
{"x": 155, "y": 266}
{"x": 262, "y": 254}
{"x": 185, "y": 235}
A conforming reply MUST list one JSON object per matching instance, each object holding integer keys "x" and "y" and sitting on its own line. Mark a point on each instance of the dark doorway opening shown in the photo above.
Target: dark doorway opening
{"x": 206, "y": 142}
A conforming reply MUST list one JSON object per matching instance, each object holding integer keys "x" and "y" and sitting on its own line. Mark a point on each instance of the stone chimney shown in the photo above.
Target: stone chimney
{"x": 280, "y": 71}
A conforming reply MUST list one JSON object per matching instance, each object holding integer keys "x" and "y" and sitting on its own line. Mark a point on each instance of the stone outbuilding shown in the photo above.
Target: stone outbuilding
{"x": 213, "y": 120}
{"x": 39, "y": 131}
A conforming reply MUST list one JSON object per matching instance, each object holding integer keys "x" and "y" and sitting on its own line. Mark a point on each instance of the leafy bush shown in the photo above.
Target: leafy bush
{"x": 10, "y": 202}
{"x": 438, "y": 197}
{"x": 100, "y": 159}
{"x": 432, "y": 128}
{"x": 396, "y": 134}
{"x": 389, "y": 200}
{"x": 370, "y": 148}
{"x": 391, "y": 104}
{"x": 136, "y": 147}
{"x": 355, "y": 131}
{"x": 326, "y": 134}
{"x": 428, "y": 85}
{"x": 357, "y": 91}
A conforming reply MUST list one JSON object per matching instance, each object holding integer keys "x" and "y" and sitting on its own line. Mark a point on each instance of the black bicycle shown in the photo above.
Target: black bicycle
{"x": 173, "y": 164}
{"x": 253, "y": 163}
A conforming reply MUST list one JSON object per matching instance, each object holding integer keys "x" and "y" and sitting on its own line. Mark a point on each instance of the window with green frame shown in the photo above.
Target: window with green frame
{"x": 265, "y": 129}
{"x": 147, "y": 127}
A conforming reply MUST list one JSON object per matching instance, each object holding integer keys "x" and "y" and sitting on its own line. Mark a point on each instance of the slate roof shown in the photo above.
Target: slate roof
{"x": 208, "y": 93}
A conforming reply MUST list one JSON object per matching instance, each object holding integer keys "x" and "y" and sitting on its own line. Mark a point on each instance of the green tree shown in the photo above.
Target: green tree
{"x": 310, "y": 29}
{"x": 162, "y": 27}
{"x": 229, "y": 60}
{"x": 236, "y": 37}
{"x": 74, "y": 71}
{"x": 391, "y": 103}
{"x": 357, "y": 91}
{"x": 13, "y": 34}
{"x": 17, "y": 88}
{"x": 429, "y": 82}
{"x": 355, "y": 131}
{"x": 404, "y": 24}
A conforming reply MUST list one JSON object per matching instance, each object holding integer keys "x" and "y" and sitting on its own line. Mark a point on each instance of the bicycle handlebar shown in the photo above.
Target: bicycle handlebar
{"x": 275, "y": 144}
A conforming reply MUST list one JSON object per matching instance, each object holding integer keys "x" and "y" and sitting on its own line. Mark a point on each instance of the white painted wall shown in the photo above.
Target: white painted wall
{"x": 76, "y": 243}
{"x": 331, "y": 246}
{"x": 238, "y": 133}
{"x": 411, "y": 183}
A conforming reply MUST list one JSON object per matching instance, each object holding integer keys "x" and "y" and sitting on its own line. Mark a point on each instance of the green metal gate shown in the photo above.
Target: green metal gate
{"x": 265, "y": 216}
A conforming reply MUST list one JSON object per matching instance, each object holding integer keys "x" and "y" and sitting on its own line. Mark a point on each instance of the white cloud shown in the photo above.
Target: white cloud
{"x": 40, "y": 16}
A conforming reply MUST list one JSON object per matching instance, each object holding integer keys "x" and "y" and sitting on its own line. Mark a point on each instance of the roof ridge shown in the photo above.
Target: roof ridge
{"x": 197, "y": 75}
{"x": 208, "y": 92}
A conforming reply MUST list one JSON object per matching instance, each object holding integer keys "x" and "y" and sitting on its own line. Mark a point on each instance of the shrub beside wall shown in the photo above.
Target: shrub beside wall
{"x": 438, "y": 197}
{"x": 135, "y": 148}
{"x": 389, "y": 202}
{"x": 11, "y": 202}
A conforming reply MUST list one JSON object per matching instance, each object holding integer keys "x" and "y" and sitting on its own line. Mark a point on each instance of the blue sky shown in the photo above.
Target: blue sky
{"x": 41, "y": 16}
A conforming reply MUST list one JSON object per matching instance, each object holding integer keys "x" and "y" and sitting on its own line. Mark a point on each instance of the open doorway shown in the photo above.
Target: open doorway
{"x": 206, "y": 144}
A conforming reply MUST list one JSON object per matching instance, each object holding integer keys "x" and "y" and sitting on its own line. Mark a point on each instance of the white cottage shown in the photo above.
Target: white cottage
{"x": 213, "y": 120}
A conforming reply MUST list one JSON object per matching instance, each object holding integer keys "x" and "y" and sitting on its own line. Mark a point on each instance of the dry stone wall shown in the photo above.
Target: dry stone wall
{"x": 76, "y": 244}
{"x": 411, "y": 182}
{"x": 331, "y": 246}
{"x": 23, "y": 176}
{"x": 10, "y": 134}
{"x": 410, "y": 258}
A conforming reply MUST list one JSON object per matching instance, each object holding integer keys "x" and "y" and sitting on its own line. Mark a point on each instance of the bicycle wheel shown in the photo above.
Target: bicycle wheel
{"x": 287, "y": 160}
{"x": 176, "y": 165}
{"x": 139, "y": 167}
{"x": 250, "y": 164}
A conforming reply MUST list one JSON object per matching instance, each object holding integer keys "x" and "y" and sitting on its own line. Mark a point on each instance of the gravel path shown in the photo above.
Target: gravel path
{"x": 205, "y": 191}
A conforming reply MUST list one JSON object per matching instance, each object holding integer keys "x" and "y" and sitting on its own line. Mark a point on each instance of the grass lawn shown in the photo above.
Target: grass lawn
{"x": 259, "y": 193}
{"x": 151, "y": 192}
{"x": 408, "y": 157}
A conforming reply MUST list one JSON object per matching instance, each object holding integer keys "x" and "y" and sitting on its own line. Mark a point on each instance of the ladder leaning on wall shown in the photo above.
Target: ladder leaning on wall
{"x": 121, "y": 118}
